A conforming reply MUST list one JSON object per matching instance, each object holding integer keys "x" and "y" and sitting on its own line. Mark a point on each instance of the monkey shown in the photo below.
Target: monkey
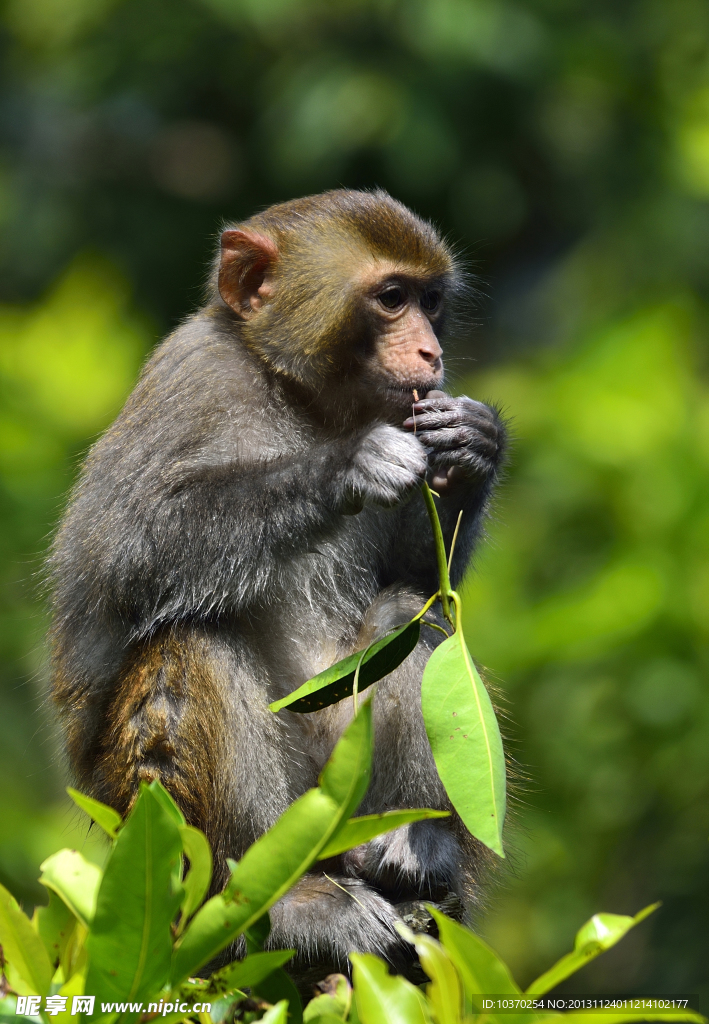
{"x": 250, "y": 518}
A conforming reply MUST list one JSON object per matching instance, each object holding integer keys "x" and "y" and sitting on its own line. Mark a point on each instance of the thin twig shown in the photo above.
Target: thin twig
{"x": 347, "y": 891}
{"x": 455, "y": 538}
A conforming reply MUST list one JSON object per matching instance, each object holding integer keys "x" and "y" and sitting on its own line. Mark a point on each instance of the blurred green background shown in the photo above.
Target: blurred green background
{"x": 563, "y": 145}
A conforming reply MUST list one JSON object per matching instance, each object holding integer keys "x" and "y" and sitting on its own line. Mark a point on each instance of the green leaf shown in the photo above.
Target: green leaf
{"x": 360, "y": 830}
{"x": 465, "y": 740}
{"x": 249, "y": 971}
{"x": 345, "y": 777}
{"x": 22, "y": 946}
{"x": 337, "y": 682}
{"x": 279, "y": 986}
{"x": 480, "y": 967}
{"x": 278, "y": 1014}
{"x": 54, "y": 925}
{"x": 257, "y": 933}
{"x": 445, "y": 993}
{"x": 73, "y": 987}
{"x": 384, "y": 998}
{"x": 197, "y": 879}
{"x": 273, "y": 864}
{"x": 130, "y": 941}
{"x": 105, "y": 816}
{"x": 596, "y": 936}
{"x": 168, "y": 804}
{"x": 222, "y": 1008}
{"x": 277, "y": 860}
{"x": 76, "y": 880}
{"x": 332, "y": 1005}
{"x": 275, "y": 984}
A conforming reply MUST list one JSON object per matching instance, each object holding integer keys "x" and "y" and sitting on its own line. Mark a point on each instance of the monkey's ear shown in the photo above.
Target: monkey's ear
{"x": 246, "y": 259}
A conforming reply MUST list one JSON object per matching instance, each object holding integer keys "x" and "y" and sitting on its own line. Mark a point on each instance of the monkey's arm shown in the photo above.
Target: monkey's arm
{"x": 205, "y": 533}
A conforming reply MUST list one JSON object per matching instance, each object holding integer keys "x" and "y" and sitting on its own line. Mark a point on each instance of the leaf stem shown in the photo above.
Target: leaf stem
{"x": 431, "y": 600}
{"x": 445, "y": 591}
{"x": 455, "y": 538}
{"x": 355, "y": 684}
{"x": 434, "y": 625}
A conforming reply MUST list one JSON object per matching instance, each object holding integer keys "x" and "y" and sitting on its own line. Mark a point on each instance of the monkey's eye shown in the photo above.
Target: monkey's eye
{"x": 430, "y": 301}
{"x": 392, "y": 298}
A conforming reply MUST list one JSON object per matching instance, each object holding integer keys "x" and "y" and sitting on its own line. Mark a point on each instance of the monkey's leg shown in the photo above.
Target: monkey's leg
{"x": 184, "y": 711}
{"x": 326, "y": 916}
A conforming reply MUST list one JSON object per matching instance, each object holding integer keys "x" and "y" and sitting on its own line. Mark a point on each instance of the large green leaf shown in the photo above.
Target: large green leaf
{"x": 76, "y": 880}
{"x": 465, "y": 740}
{"x": 275, "y": 984}
{"x": 345, "y": 777}
{"x": 333, "y": 1005}
{"x": 130, "y": 941}
{"x": 197, "y": 879}
{"x": 481, "y": 970}
{"x": 360, "y": 830}
{"x": 22, "y": 946}
{"x": 278, "y": 985}
{"x": 596, "y": 936}
{"x": 249, "y": 971}
{"x": 480, "y": 967}
{"x": 54, "y": 925}
{"x": 337, "y": 682}
{"x": 168, "y": 804}
{"x": 445, "y": 992}
{"x": 384, "y": 998}
{"x": 277, "y": 1014}
{"x": 276, "y": 861}
{"x": 102, "y": 814}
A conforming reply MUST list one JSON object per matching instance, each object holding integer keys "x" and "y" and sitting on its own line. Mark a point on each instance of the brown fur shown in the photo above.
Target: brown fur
{"x": 325, "y": 244}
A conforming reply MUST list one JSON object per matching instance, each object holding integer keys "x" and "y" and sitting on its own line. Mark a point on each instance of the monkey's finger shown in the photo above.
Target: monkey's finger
{"x": 464, "y": 407}
{"x": 441, "y": 420}
{"x": 465, "y": 460}
{"x": 452, "y": 438}
{"x": 449, "y": 402}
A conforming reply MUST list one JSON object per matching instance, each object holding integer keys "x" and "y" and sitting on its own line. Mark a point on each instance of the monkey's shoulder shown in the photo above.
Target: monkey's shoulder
{"x": 202, "y": 390}
{"x": 201, "y": 362}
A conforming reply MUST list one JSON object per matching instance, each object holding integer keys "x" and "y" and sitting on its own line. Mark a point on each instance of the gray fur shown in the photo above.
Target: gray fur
{"x": 223, "y": 506}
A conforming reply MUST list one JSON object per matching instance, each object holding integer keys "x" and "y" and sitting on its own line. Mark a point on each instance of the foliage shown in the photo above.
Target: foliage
{"x": 137, "y": 931}
{"x": 134, "y": 935}
{"x": 563, "y": 147}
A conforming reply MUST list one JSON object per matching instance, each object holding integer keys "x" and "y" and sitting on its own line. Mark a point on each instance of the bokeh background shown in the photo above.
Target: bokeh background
{"x": 563, "y": 145}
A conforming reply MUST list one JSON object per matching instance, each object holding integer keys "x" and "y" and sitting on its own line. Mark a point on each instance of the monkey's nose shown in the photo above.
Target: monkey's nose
{"x": 431, "y": 352}
{"x": 434, "y": 361}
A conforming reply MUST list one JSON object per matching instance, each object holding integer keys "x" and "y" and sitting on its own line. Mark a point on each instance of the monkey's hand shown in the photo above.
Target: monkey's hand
{"x": 386, "y": 466}
{"x": 465, "y": 439}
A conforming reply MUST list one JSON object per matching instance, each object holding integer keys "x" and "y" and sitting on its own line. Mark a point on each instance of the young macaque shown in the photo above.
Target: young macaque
{"x": 251, "y": 517}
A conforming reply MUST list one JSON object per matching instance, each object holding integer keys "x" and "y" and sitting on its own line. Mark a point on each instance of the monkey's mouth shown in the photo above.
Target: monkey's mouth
{"x": 409, "y": 393}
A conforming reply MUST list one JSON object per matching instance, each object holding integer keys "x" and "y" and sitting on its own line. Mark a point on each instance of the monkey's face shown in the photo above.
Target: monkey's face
{"x": 405, "y": 314}
{"x": 353, "y": 319}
